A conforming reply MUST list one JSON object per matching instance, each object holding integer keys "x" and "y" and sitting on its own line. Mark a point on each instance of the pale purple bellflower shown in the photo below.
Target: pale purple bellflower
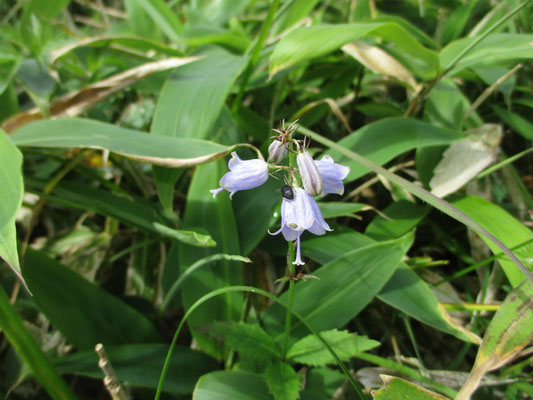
{"x": 242, "y": 175}
{"x": 299, "y": 214}
{"x": 332, "y": 175}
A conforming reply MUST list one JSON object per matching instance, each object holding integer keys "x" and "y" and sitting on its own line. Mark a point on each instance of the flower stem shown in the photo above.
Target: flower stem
{"x": 291, "y": 267}
{"x": 290, "y": 259}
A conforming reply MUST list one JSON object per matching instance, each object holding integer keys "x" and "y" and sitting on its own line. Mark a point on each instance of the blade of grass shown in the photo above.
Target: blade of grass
{"x": 422, "y": 194}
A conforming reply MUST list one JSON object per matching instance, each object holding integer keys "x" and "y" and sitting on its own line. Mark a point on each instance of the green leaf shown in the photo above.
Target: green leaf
{"x": 12, "y": 191}
{"x": 407, "y": 292}
{"x": 234, "y": 385}
{"x": 516, "y": 122}
{"x": 131, "y": 210}
{"x": 322, "y": 383}
{"x": 309, "y": 350}
{"x": 307, "y": 43}
{"x": 216, "y": 215}
{"x": 397, "y": 388}
{"x": 505, "y": 227}
{"x": 47, "y": 9}
{"x": 383, "y": 140}
{"x": 255, "y": 212}
{"x": 139, "y": 365}
{"x": 403, "y": 217}
{"x": 333, "y": 209}
{"x": 294, "y": 13}
{"x": 79, "y": 132}
{"x": 345, "y": 286}
{"x": 342, "y": 240}
{"x": 509, "y": 331}
{"x": 496, "y": 48}
{"x": 282, "y": 381}
{"x": 250, "y": 340}
{"x": 163, "y": 17}
{"x": 30, "y": 351}
{"x": 190, "y": 103}
{"x": 80, "y": 310}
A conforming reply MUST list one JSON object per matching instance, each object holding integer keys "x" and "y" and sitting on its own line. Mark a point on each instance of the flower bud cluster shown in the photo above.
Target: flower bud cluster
{"x": 299, "y": 210}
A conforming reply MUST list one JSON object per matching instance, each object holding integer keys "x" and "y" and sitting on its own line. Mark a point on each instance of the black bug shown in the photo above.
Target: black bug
{"x": 287, "y": 192}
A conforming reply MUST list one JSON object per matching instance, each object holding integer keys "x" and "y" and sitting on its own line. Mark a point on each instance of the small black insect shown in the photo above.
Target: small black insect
{"x": 287, "y": 192}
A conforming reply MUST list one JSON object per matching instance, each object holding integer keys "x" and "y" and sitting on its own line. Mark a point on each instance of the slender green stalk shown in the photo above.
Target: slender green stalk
{"x": 251, "y": 289}
{"x": 198, "y": 264}
{"x": 255, "y": 53}
{"x": 290, "y": 264}
{"x": 30, "y": 352}
{"x": 424, "y": 195}
{"x": 287, "y": 332}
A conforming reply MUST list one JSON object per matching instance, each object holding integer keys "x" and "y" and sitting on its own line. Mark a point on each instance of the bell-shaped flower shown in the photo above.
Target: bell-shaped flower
{"x": 242, "y": 175}
{"x": 299, "y": 214}
{"x": 311, "y": 178}
{"x": 277, "y": 151}
{"x": 332, "y": 175}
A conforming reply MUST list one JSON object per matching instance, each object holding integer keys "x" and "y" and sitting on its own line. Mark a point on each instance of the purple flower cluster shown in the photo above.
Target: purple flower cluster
{"x": 299, "y": 210}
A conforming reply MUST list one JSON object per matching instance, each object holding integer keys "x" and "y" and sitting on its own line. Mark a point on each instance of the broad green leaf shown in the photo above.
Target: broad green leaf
{"x": 305, "y": 44}
{"x": 321, "y": 383}
{"x": 218, "y": 12}
{"x": 446, "y": 106}
{"x": 255, "y": 212}
{"x": 333, "y": 209}
{"x": 309, "y": 350}
{"x": 79, "y": 132}
{"x": 140, "y": 21}
{"x": 215, "y": 215}
{"x": 342, "y": 240}
{"x": 282, "y": 381}
{"x": 250, "y": 340}
{"x": 84, "y": 313}
{"x": 516, "y": 122}
{"x": 403, "y": 216}
{"x": 12, "y": 191}
{"x": 132, "y": 211}
{"x": 506, "y": 228}
{"x": 509, "y": 331}
{"x": 163, "y": 16}
{"x": 139, "y": 365}
{"x": 345, "y": 286}
{"x": 383, "y": 140}
{"x": 407, "y": 292}
{"x": 234, "y": 385}
{"x": 46, "y": 9}
{"x": 30, "y": 351}
{"x": 190, "y": 103}
{"x": 397, "y": 388}
{"x": 497, "y": 48}
{"x": 292, "y": 14}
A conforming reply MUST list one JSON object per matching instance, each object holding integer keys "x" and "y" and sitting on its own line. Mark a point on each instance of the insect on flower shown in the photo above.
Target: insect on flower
{"x": 287, "y": 192}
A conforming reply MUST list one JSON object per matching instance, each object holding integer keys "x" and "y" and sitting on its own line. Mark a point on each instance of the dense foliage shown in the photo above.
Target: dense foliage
{"x": 125, "y": 277}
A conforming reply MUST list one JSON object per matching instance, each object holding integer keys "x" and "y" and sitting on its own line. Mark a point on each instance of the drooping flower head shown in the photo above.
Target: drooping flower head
{"x": 299, "y": 214}
{"x": 242, "y": 175}
{"x": 277, "y": 151}
{"x": 332, "y": 175}
{"x": 311, "y": 178}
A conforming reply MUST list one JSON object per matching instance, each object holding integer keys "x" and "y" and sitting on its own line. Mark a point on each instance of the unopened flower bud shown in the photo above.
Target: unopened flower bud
{"x": 277, "y": 151}
{"x": 311, "y": 178}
